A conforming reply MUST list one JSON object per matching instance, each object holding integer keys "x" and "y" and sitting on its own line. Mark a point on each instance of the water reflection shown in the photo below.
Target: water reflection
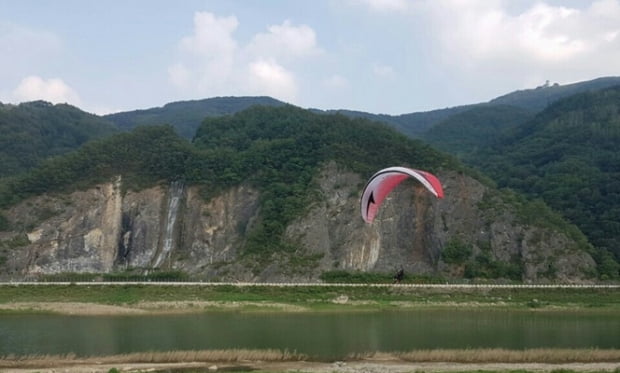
{"x": 325, "y": 335}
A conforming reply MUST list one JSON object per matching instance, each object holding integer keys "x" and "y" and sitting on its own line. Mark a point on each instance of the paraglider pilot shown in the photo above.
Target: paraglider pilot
{"x": 398, "y": 277}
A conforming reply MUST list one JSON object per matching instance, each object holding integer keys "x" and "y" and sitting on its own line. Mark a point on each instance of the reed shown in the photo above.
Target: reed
{"x": 234, "y": 355}
{"x": 544, "y": 355}
{"x": 155, "y": 357}
{"x": 549, "y": 356}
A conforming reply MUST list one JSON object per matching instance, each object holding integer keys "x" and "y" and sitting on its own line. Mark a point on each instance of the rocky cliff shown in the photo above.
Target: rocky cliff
{"x": 166, "y": 227}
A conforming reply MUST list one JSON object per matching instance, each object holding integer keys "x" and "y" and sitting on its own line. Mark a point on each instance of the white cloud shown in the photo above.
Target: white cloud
{"x": 212, "y": 36}
{"x": 268, "y": 78}
{"x": 485, "y": 40}
{"x": 484, "y": 30}
{"x": 212, "y": 62}
{"x": 285, "y": 41}
{"x": 207, "y": 56}
{"x": 387, "y": 5}
{"x": 53, "y": 90}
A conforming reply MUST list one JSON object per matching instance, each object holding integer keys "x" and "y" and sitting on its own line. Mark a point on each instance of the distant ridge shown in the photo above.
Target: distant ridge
{"x": 537, "y": 99}
{"x": 186, "y": 116}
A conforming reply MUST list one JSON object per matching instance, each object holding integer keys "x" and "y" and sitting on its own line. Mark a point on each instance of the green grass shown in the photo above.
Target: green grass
{"x": 321, "y": 297}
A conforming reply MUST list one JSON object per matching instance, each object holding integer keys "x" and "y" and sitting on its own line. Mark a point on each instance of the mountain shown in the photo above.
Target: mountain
{"x": 31, "y": 132}
{"x": 413, "y": 124}
{"x": 569, "y": 156}
{"x": 539, "y": 98}
{"x": 186, "y": 116}
{"x": 479, "y": 127}
{"x": 272, "y": 194}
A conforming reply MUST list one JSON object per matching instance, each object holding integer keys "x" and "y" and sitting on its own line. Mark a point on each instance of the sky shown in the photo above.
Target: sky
{"x": 378, "y": 56}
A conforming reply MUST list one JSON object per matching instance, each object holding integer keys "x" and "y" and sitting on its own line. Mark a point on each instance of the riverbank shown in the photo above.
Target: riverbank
{"x": 474, "y": 360}
{"x": 124, "y": 299}
{"x": 140, "y": 299}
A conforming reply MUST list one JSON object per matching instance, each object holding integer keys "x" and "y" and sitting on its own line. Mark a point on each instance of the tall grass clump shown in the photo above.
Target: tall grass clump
{"x": 538, "y": 355}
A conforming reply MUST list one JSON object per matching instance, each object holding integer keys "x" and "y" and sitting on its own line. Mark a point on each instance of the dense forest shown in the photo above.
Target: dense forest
{"x": 568, "y": 155}
{"x": 464, "y": 133}
{"x": 34, "y": 131}
{"x": 539, "y": 98}
{"x": 186, "y": 116}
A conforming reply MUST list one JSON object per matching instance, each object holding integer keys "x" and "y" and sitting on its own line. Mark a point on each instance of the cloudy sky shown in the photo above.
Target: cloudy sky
{"x": 379, "y": 56}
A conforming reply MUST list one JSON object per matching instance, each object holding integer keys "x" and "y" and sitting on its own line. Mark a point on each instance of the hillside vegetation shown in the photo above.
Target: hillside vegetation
{"x": 569, "y": 156}
{"x": 33, "y": 131}
{"x": 470, "y": 131}
{"x": 186, "y": 116}
{"x": 277, "y": 150}
{"x": 566, "y": 155}
{"x": 539, "y": 98}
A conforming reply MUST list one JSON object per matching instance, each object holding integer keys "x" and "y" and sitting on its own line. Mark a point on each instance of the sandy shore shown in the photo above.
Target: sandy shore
{"x": 366, "y": 366}
{"x": 141, "y": 308}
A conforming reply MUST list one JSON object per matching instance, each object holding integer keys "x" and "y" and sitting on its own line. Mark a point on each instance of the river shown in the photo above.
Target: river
{"x": 324, "y": 335}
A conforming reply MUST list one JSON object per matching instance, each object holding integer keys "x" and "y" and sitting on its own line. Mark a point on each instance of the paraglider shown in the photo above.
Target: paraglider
{"x": 382, "y": 183}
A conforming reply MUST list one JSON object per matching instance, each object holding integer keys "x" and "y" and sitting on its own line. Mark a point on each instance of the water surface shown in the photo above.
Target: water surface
{"x": 322, "y": 335}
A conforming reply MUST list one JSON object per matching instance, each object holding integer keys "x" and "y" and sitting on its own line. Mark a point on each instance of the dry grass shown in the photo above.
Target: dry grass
{"x": 545, "y": 355}
{"x": 221, "y": 356}
{"x": 549, "y": 356}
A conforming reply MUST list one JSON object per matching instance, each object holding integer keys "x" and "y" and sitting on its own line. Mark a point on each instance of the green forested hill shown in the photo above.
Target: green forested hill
{"x": 417, "y": 125}
{"x": 142, "y": 157}
{"x": 277, "y": 150}
{"x": 280, "y": 150}
{"x": 465, "y": 133}
{"x": 539, "y": 98}
{"x": 33, "y": 131}
{"x": 412, "y": 124}
{"x": 186, "y": 116}
{"x": 568, "y": 155}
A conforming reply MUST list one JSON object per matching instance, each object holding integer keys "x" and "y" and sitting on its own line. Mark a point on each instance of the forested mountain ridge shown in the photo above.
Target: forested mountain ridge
{"x": 477, "y": 128}
{"x": 569, "y": 156}
{"x": 537, "y": 99}
{"x": 273, "y": 194}
{"x": 186, "y": 116}
{"x": 33, "y": 131}
{"x": 492, "y": 137}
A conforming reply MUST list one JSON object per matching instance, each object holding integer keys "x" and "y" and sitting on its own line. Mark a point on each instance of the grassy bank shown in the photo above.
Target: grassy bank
{"x": 316, "y": 298}
{"x": 280, "y": 361}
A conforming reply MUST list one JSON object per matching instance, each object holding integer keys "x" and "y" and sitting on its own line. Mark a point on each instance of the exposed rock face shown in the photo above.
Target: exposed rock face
{"x": 173, "y": 227}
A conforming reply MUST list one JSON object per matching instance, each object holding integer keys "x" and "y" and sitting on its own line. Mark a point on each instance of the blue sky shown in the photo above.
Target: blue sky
{"x": 379, "y": 56}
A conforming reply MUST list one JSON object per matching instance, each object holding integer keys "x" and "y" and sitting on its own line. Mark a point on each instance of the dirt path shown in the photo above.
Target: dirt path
{"x": 366, "y": 366}
{"x": 141, "y": 308}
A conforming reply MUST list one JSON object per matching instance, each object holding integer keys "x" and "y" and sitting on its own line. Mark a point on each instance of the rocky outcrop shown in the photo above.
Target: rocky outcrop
{"x": 104, "y": 229}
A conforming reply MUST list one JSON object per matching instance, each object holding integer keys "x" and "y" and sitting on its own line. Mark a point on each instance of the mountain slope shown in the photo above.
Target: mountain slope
{"x": 33, "y": 131}
{"x": 272, "y": 194}
{"x": 539, "y": 98}
{"x": 569, "y": 155}
{"x": 186, "y": 116}
{"x": 464, "y": 133}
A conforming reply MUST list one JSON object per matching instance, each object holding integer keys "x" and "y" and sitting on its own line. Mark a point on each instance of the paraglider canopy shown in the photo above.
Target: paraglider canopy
{"x": 382, "y": 183}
